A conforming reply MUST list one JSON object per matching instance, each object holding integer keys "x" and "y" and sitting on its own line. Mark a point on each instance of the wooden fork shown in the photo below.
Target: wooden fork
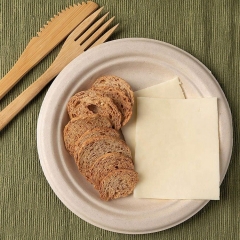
{"x": 76, "y": 43}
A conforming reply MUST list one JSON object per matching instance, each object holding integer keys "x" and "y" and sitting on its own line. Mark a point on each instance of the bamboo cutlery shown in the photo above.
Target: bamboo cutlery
{"x": 87, "y": 34}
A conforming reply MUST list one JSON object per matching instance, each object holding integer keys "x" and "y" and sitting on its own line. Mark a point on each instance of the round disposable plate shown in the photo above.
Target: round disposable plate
{"x": 142, "y": 63}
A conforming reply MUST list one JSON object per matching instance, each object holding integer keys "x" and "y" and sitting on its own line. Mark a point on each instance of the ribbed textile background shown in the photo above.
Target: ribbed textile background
{"x": 209, "y": 30}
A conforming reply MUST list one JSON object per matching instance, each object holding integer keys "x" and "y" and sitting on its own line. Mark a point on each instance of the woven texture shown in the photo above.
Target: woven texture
{"x": 209, "y": 30}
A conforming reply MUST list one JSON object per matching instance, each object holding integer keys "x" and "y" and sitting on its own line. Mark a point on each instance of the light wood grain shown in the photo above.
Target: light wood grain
{"x": 73, "y": 47}
{"x": 57, "y": 29}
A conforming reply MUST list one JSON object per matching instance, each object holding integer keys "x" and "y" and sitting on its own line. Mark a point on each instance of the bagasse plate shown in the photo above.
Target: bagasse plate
{"x": 142, "y": 63}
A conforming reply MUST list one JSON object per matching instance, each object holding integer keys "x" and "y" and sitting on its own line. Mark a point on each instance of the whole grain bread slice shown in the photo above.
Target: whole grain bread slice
{"x": 95, "y": 147}
{"x": 77, "y": 126}
{"x": 106, "y": 164}
{"x": 95, "y": 132}
{"x": 89, "y": 102}
{"x": 119, "y": 98}
{"x": 118, "y": 183}
{"x": 115, "y": 82}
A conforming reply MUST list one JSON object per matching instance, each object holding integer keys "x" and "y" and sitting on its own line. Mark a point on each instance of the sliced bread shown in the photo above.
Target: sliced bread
{"x": 95, "y": 132}
{"x": 106, "y": 164}
{"x": 95, "y": 147}
{"x": 118, "y": 183}
{"x": 77, "y": 126}
{"x": 119, "y": 98}
{"x": 89, "y": 102}
{"x": 115, "y": 82}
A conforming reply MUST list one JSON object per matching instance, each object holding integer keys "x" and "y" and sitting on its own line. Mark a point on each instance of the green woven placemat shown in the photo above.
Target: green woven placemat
{"x": 209, "y": 30}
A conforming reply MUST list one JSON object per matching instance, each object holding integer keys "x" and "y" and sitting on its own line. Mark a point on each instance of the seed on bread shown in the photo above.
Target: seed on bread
{"x": 93, "y": 139}
{"x": 119, "y": 98}
{"x": 89, "y": 102}
{"x": 95, "y": 132}
{"x": 77, "y": 126}
{"x": 115, "y": 82}
{"x": 95, "y": 147}
{"x": 118, "y": 183}
{"x": 106, "y": 164}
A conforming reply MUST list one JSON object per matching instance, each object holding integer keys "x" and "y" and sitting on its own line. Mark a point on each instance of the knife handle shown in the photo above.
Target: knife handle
{"x": 23, "y": 65}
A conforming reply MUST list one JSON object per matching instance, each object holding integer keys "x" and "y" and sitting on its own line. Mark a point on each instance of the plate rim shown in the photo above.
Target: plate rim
{"x": 39, "y": 127}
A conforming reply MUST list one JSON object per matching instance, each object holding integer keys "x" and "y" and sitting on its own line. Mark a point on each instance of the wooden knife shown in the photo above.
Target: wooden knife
{"x": 56, "y": 30}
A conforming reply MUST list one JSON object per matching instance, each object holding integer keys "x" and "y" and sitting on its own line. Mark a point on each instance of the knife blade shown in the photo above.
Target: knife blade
{"x": 56, "y": 30}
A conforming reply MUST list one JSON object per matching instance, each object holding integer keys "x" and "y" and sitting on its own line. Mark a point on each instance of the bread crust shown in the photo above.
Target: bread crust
{"x": 95, "y": 147}
{"x": 95, "y": 132}
{"x": 120, "y": 99}
{"x": 117, "y": 184}
{"x": 115, "y": 82}
{"x": 106, "y": 164}
{"x": 92, "y": 137}
{"x": 89, "y": 102}
{"x": 77, "y": 126}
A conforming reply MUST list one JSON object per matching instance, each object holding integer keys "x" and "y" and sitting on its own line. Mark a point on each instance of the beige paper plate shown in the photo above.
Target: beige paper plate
{"x": 143, "y": 63}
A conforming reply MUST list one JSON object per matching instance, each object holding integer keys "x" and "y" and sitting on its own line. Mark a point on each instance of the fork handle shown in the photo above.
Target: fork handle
{"x": 9, "y": 112}
{"x": 64, "y": 57}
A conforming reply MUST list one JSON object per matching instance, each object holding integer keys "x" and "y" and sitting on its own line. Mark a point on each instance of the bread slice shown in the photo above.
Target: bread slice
{"x": 95, "y": 147}
{"x": 117, "y": 184}
{"x": 106, "y": 164}
{"x": 77, "y": 126}
{"x": 95, "y": 132}
{"x": 89, "y": 102}
{"x": 115, "y": 82}
{"x": 119, "y": 98}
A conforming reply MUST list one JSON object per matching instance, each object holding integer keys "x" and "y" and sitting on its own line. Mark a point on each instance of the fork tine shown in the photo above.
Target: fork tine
{"x": 90, "y": 40}
{"x": 105, "y": 36}
{"x": 84, "y": 25}
{"x": 91, "y": 30}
